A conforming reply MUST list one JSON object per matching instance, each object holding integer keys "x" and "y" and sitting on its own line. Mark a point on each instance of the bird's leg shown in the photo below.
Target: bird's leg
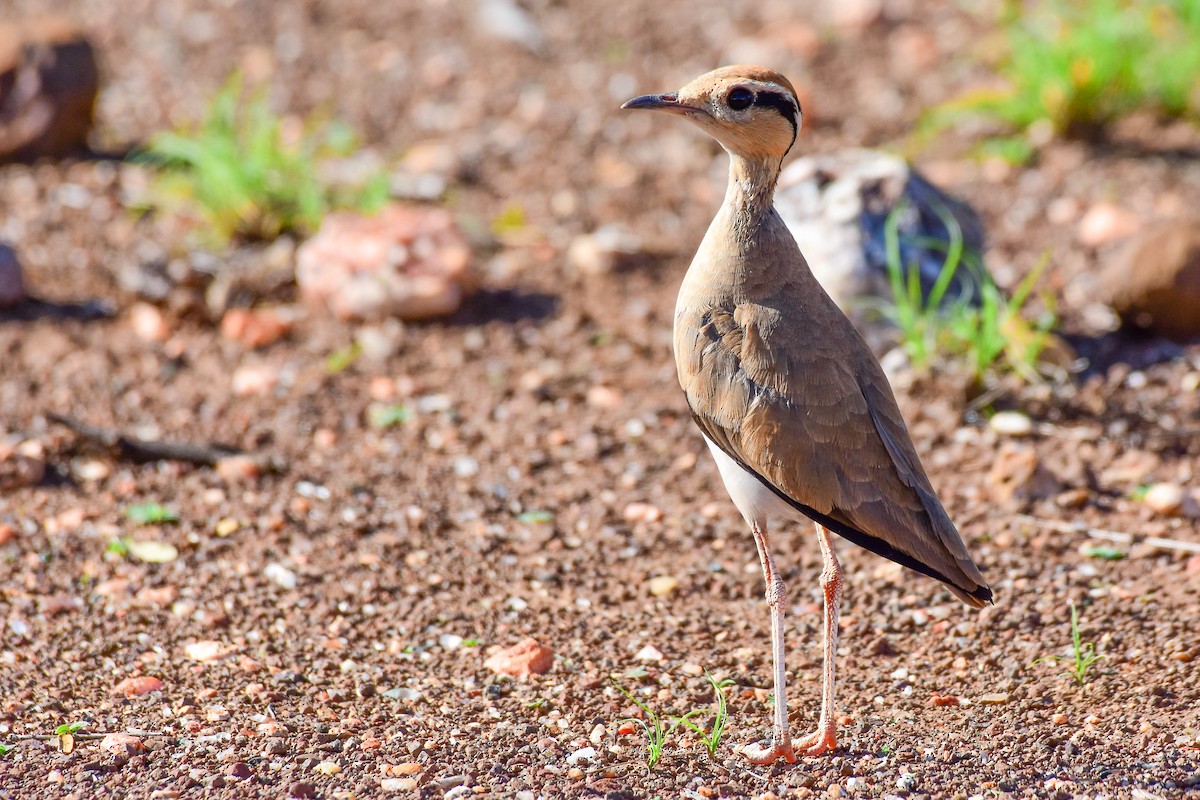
{"x": 781, "y": 743}
{"x": 824, "y": 738}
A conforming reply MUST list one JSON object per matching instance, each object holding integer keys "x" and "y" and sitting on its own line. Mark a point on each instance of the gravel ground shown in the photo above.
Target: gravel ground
{"x": 323, "y": 628}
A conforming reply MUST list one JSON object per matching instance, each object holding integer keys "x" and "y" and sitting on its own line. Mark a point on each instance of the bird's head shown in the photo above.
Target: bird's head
{"x": 752, "y": 111}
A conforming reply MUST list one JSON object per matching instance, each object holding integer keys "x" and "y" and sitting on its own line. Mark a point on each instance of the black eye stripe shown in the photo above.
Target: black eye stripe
{"x": 786, "y": 107}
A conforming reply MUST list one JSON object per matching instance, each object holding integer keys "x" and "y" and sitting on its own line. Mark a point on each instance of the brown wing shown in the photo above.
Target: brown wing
{"x": 813, "y": 416}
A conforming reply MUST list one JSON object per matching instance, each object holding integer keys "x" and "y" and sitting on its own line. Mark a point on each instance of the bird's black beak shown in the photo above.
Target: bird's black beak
{"x": 662, "y": 102}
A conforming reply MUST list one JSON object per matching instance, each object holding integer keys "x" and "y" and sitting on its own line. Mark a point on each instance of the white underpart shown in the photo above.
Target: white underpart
{"x": 753, "y": 499}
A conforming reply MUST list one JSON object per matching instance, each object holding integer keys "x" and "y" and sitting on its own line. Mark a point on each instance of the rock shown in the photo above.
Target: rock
{"x": 602, "y": 251}
{"x": 994, "y": 699}
{"x": 407, "y": 261}
{"x": 1106, "y": 222}
{"x": 1011, "y": 423}
{"x": 525, "y": 658}
{"x": 302, "y": 790}
{"x": 606, "y": 397}
{"x": 582, "y": 754}
{"x": 1154, "y": 283}
{"x": 1165, "y": 498}
{"x": 121, "y": 744}
{"x": 257, "y": 327}
{"x": 12, "y": 282}
{"x": 281, "y": 576}
{"x": 837, "y": 207}
{"x": 238, "y": 469}
{"x": 1017, "y": 476}
{"x": 48, "y": 86}
{"x": 642, "y": 512}
{"x": 649, "y": 653}
{"x": 506, "y": 20}
{"x": 254, "y": 379}
{"x": 662, "y": 585}
{"x": 398, "y": 784}
{"x": 148, "y": 323}
{"x": 205, "y": 651}
{"x": 22, "y": 463}
{"x": 138, "y": 686}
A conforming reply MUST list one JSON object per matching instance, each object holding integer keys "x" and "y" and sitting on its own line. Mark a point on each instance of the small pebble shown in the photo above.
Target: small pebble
{"x": 597, "y": 734}
{"x": 582, "y": 754}
{"x": 662, "y": 585}
{"x": 994, "y": 699}
{"x": 642, "y": 512}
{"x": 148, "y": 323}
{"x": 1059, "y": 719}
{"x": 138, "y": 686}
{"x": 649, "y": 653}
{"x": 328, "y": 768}
{"x": 1011, "y": 423}
{"x": 281, "y": 575}
{"x": 408, "y": 768}
{"x": 1164, "y": 498}
{"x": 121, "y": 744}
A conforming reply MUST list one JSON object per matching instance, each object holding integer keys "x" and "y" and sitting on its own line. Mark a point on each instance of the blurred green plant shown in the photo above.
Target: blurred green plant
{"x": 1078, "y": 65}
{"x": 993, "y": 335}
{"x": 249, "y": 176}
{"x": 151, "y": 514}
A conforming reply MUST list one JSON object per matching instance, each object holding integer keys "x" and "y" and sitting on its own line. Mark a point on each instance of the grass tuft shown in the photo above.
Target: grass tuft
{"x": 994, "y": 335}
{"x": 251, "y": 176}
{"x": 1078, "y": 65}
{"x": 1083, "y": 654}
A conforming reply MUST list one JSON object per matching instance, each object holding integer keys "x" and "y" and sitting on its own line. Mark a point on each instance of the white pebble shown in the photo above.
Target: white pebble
{"x": 649, "y": 653}
{"x": 1011, "y": 423}
{"x": 449, "y": 641}
{"x": 582, "y": 754}
{"x": 281, "y": 575}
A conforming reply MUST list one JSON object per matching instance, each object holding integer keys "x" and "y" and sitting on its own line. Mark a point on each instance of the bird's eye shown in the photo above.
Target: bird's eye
{"x": 740, "y": 98}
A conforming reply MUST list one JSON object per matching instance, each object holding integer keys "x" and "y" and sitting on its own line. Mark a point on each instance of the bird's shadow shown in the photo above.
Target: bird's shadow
{"x": 1136, "y": 349}
{"x": 32, "y": 309}
{"x": 509, "y": 306}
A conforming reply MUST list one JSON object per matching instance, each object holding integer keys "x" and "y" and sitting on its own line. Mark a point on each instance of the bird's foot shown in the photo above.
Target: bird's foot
{"x": 822, "y": 740}
{"x": 769, "y": 752}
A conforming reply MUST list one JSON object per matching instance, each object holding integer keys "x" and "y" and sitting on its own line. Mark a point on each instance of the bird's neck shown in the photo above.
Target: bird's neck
{"x": 749, "y": 195}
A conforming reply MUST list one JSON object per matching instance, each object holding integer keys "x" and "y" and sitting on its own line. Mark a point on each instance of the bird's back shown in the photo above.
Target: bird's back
{"x": 781, "y": 381}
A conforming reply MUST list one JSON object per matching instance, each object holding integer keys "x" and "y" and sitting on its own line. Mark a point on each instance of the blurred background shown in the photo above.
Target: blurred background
{"x": 335, "y": 345}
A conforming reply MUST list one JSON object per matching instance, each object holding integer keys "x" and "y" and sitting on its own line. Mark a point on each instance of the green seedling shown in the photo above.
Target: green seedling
{"x": 387, "y": 416}
{"x": 1083, "y": 654}
{"x": 249, "y": 175}
{"x": 711, "y": 738}
{"x": 151, "y": 514}
{"x": 69, "y": 728}
{"x": 339, "y": 360}
{"x": 656, "y": 731}
{"x": 5, "y": 749}
{"x": 535, "y": 517}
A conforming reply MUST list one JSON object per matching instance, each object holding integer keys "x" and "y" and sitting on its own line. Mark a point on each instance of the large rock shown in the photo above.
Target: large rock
{"x": 12, "y": 283}
{"x": 48, "y": 86}
{"x": 1154, "y": 284}
{"x": 838, "y": 205}
{"x": 407, "y": 261}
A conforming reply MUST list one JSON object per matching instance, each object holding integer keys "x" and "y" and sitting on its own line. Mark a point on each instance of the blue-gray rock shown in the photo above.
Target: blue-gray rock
{"x": 838, "y": 206}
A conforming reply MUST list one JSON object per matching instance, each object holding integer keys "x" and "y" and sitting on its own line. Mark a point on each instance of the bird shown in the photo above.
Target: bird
{"x": 793, "y": 406}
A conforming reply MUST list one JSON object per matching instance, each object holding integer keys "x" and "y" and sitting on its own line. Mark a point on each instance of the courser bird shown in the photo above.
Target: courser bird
{"x": 792, "y": 404}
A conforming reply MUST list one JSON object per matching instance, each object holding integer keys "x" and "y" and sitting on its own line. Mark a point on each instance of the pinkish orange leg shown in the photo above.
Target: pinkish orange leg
{"x": 824, "y": 738}
{"x": 780, "y": 745}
